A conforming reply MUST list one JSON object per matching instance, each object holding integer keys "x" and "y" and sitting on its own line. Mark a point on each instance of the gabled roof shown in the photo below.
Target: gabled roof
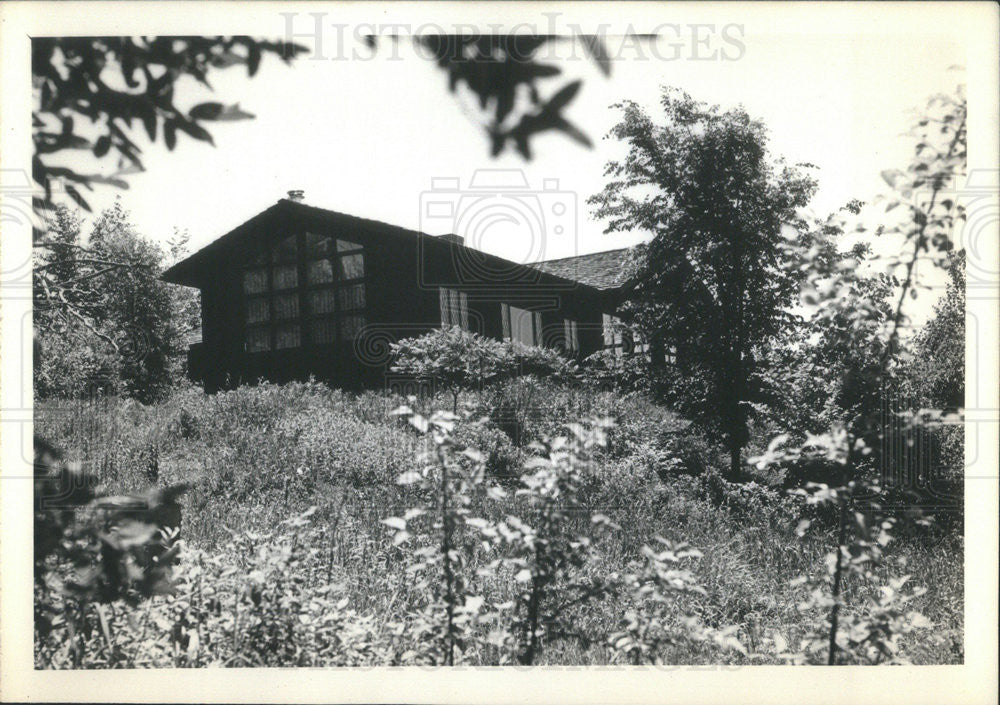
{"x": 192, "y": 270}
{"x": 601, "y": 270}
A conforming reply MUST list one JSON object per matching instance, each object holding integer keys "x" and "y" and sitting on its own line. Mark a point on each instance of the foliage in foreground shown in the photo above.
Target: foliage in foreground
{"x": 263, "y": 579}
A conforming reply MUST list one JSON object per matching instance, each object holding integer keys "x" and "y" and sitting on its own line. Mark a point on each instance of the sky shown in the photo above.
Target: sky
{"x": 369, "y": 137}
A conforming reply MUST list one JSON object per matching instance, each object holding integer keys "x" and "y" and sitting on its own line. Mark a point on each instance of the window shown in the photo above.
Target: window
{"x": 621, "y": 340}
{"x": 351, "y": 325}
{"x": 258, "y": 339}
{"x": 352, "y": 297}
{"x": 318, "y": 245}
{"x": 285, "y": 251}
{"x": 352, "y": 266}
{"x": 307, "y": 289}
{"x": 571, "y": 338}
{"x": 321, "y": 301}
{"x": 286, "y": 306}
{"x": 287, "y": 336}
{"x": 286, "y": 276}
{"x": 320, "y": 272}
{"x": 322, "y": 331}
{"x": 454, "y": 308}
{"x": 521, "y": 325}
{"x": 257, "y": 310}
{"x": 613, "y": 339}
{"x": 255, "y": 281}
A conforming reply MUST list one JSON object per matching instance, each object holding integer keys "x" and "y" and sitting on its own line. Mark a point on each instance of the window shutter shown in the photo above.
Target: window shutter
{"x": 463, "y": 303}
{"x": 443, "y": 301}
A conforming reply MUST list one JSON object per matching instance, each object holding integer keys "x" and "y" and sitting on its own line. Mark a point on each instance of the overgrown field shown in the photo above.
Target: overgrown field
{"x": 264, "y": 580}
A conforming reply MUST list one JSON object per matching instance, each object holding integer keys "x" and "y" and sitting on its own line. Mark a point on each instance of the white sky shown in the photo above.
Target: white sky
{"x": 367, "y": 136}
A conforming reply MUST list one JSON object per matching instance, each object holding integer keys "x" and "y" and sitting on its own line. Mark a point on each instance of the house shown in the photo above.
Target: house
{"x": 299, "y": 290}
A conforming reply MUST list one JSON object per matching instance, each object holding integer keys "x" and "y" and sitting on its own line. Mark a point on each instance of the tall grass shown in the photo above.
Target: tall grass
{"x": 288, "y": 561}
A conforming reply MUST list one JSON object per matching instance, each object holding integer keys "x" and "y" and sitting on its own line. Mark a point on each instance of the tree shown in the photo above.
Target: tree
{"x": 453, "y": 359}
{"x": 501, "y": 69}
{"x": 930, "y": 214}
{"x": 102, "y": 316}
{"x": 936, "y": 372}
{"x": 112, "y": 82}
{"x": 822, "y": 365}
{"x": 710, "y": 284}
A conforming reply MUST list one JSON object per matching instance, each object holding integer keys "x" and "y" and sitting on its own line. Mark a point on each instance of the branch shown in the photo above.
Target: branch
{"x": 919, "y": 244}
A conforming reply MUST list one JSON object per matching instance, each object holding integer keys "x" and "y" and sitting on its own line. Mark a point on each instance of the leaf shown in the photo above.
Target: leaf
{"x": 196, "y": 131}
{"x": 75, "y": 195}
{"x": 419, "y": 422}
{"x": 170, "y": 134}
{"x": 206, "y": 111}
{"x": 193, "y": 641}
{"x": 780, "y": 643}
{"x": 102, "y": 146}
{"x": 598, "y": 51}
{"x": 218, "y": 112}
{"x": 253, "y": 58}
{"x": 564, "y": 96}
{"x": 890, "y": 176}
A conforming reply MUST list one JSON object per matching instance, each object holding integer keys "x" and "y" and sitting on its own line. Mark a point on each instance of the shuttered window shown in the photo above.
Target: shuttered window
{"x": 454, "y": 308}
{"x": 571, "y": 338}
{"x": 521, "y": 325}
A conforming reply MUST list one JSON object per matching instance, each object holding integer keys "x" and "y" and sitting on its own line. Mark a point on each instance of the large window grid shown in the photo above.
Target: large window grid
{"x": 307, "y": 290}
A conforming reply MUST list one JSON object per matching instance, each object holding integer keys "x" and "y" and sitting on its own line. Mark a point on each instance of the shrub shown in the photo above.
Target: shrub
{"x": 454, "y": 359}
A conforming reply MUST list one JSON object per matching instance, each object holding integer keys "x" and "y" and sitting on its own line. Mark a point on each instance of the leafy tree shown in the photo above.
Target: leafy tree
{"x": 102, "y": 316}
{"x": 501, "y": 69}
{"x": 936, "y": 373}
{"x": 822, "y": 366}
{"x": 114, "y": 82}
{"x": 710, "y": 285}
{"x": 92, "y": 551}
{"x": 926, "y": 228}
{"x": 454, "y": 359}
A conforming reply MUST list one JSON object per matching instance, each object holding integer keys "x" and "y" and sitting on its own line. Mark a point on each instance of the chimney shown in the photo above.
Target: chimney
{"x": 452, "y": 237}
{"x": 297, "y": 195}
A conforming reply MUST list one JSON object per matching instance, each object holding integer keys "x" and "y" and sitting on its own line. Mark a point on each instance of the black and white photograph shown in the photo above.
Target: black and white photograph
{"x": 513, "y": 340}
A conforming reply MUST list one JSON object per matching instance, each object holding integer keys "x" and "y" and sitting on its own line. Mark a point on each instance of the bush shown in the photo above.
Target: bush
{"x": 455, "y": 360}
{"x": 256, "y": 586}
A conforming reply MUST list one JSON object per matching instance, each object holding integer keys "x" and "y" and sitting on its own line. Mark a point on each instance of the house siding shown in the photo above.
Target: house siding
{"x": 403, "y": 273}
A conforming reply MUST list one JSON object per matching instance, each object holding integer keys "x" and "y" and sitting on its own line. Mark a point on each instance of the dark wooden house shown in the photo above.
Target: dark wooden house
{"x": 299, "y": 291}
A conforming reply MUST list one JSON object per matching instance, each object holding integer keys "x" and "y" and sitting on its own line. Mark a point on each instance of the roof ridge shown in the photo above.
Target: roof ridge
{"x": 588, "y": 254}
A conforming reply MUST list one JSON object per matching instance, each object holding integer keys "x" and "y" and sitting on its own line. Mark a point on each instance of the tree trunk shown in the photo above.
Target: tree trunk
{"x": 735, "y": 462}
